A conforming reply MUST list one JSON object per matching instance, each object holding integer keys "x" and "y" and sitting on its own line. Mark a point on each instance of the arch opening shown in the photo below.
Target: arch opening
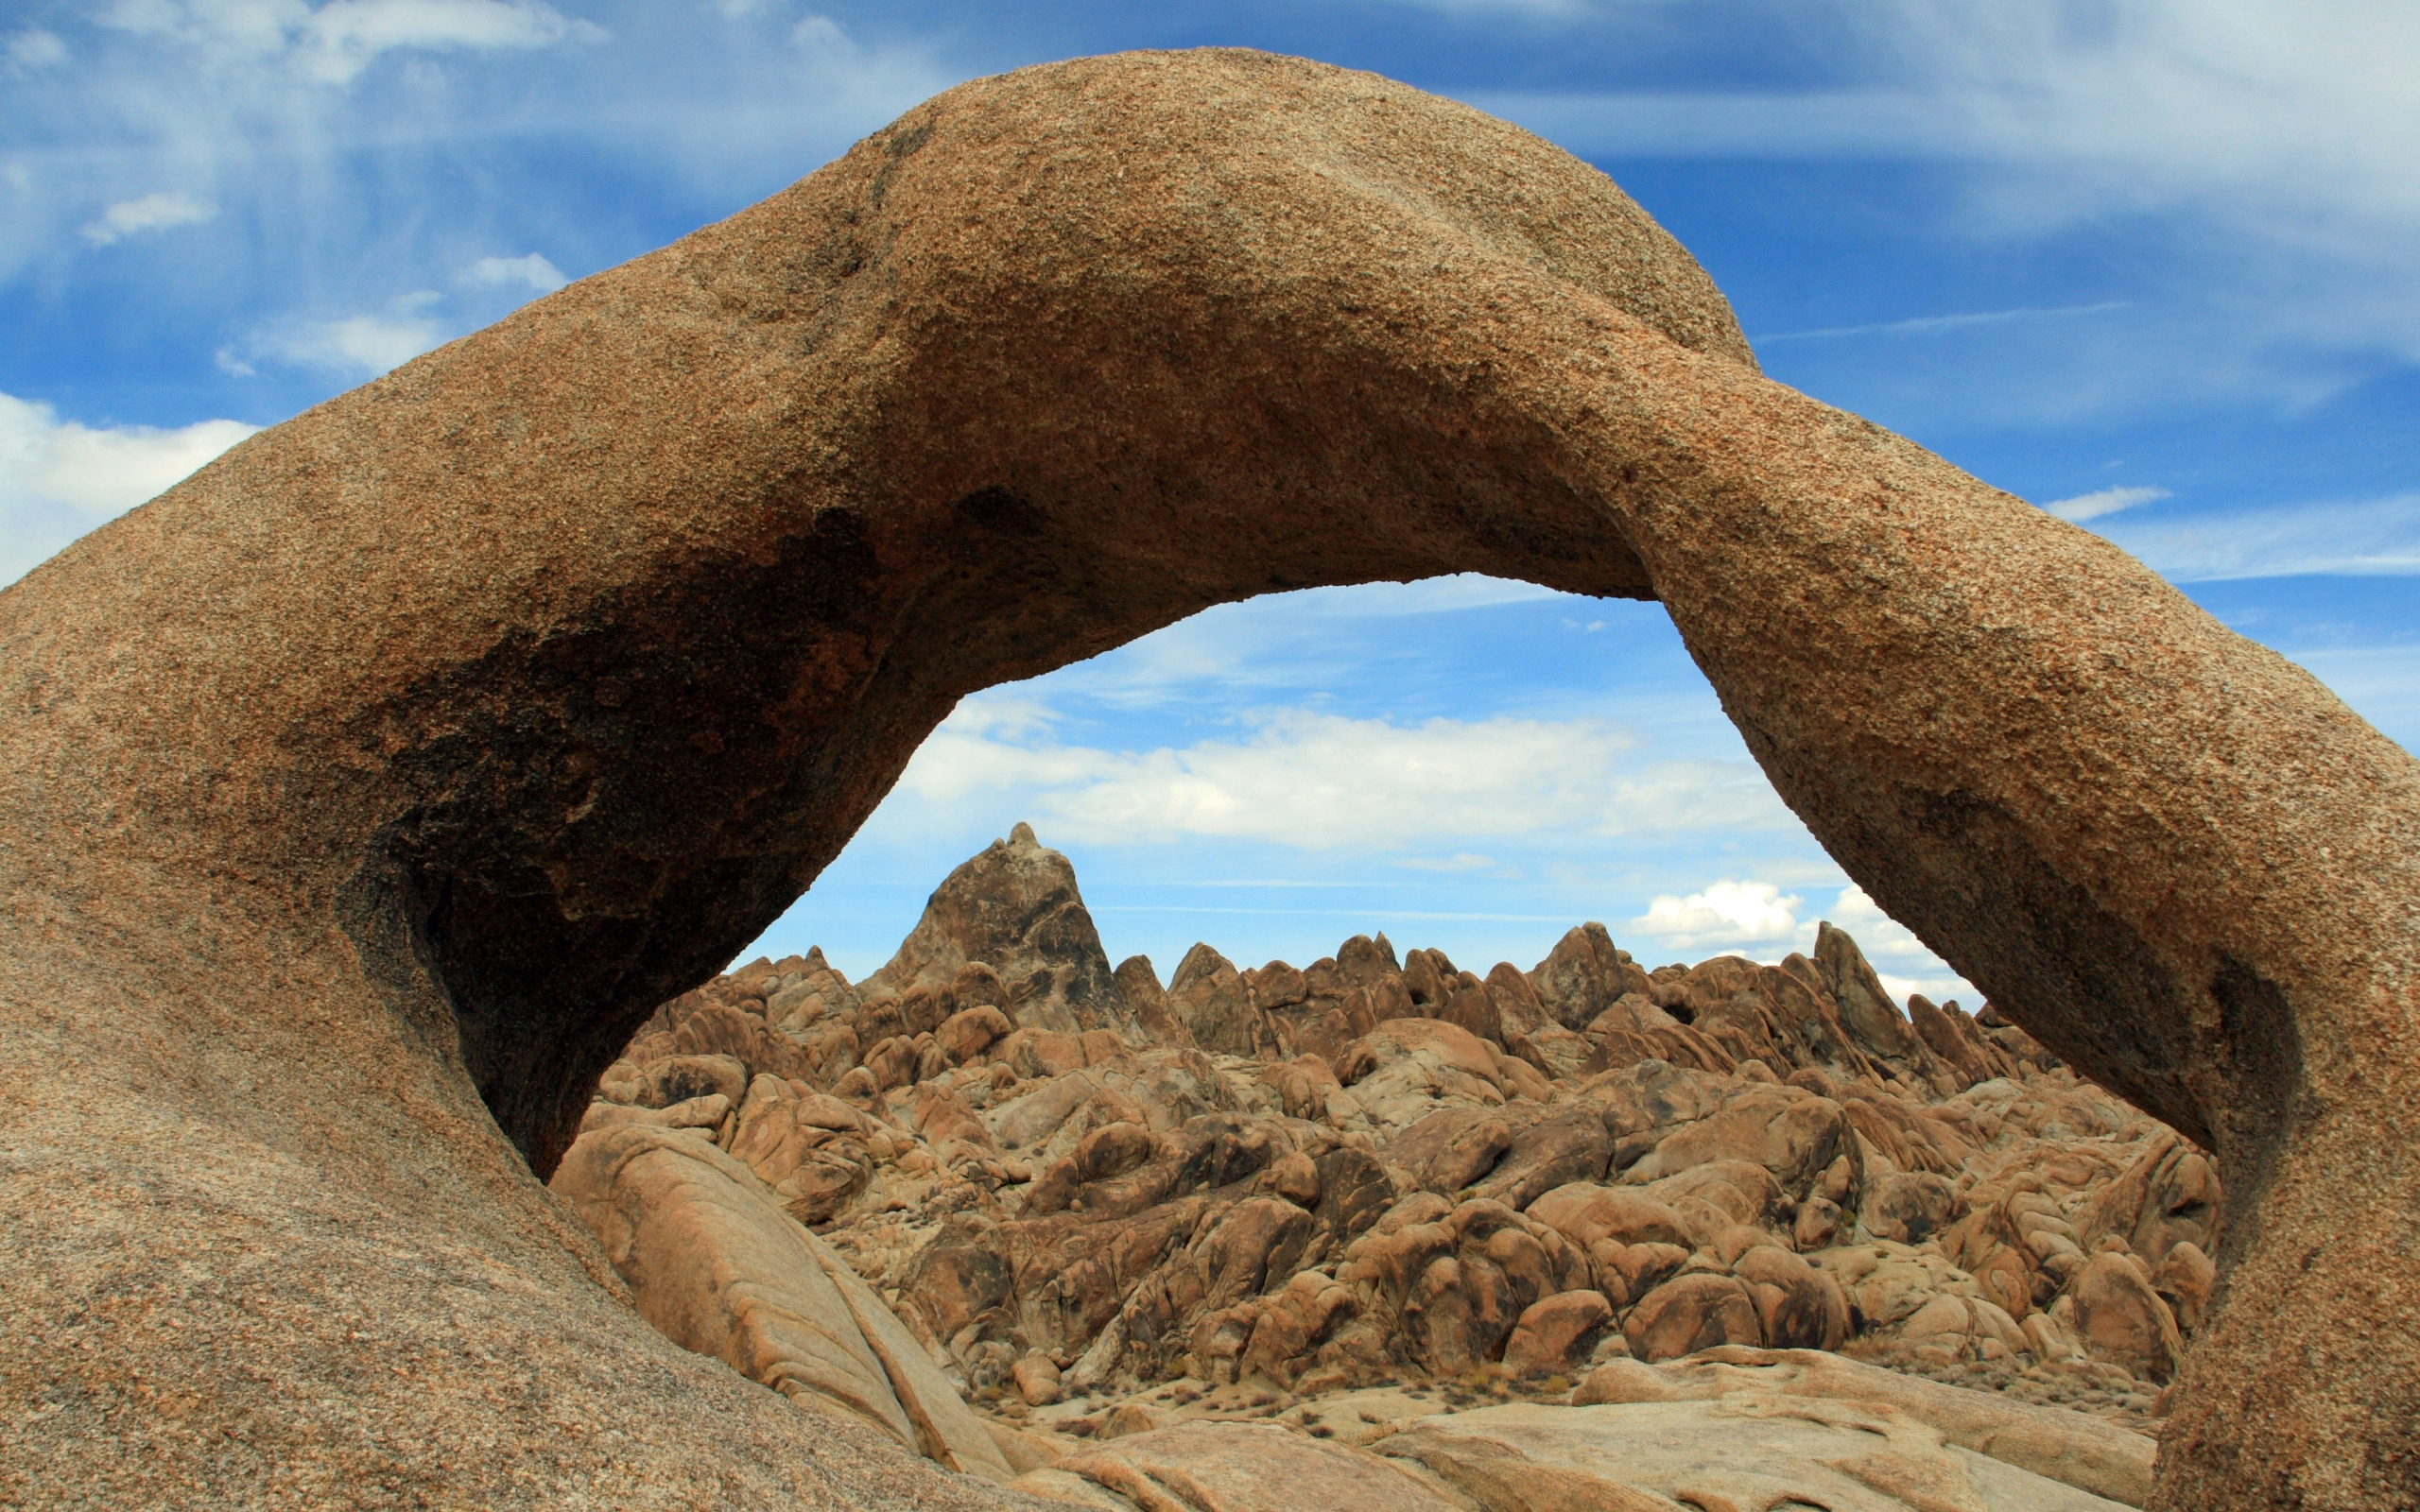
{"x": 1473, "y": 763}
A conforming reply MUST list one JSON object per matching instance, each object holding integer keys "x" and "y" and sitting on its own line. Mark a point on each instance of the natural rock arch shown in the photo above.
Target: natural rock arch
{"x": 407, "y": 755}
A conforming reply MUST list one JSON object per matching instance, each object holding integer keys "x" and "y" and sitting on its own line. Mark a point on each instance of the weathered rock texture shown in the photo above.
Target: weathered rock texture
{"x": 363, "y": 793}
{"x": 1089, "y": 1238}
{"x": 719, "y": 1269}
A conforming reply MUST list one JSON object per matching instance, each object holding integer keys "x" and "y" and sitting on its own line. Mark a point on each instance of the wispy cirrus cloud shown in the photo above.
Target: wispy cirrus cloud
{"x": 361, "y": 150}
{"x": 2244, "y": 106}
{"x": 2272, "y": 148}
{"x": 2368, "y": 538}
{"x": 1935, "y": 324}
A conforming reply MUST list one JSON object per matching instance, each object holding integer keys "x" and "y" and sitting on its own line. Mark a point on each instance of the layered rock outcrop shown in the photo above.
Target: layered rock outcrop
{"x": 364, "y": 794}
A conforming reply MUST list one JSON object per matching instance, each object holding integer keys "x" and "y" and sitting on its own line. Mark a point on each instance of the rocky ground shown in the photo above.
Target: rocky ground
{"x": 1347, "y": 1200}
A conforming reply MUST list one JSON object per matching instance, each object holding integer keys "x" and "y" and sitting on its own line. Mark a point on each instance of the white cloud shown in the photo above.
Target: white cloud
{"x": 2375, "y": 537}
{"x": 333, "y": 43}
{"x": 345, "y": 193}
{"x": 2093, "y": 506}
{"x": 1463, "y": 861}
{"x": 356, "y": 346}
{"x": 2157, "y": 101}
{"x": 341, "y": 39}
{"x": 533, "y": 270}
{"x": 1315, "y": 781}
{"x": 1759, "y": 920}
{"x": 221, "y": 27}
{"x": 98, "y": 472}
{"x": 364, "y": 344}
{"x": 1726, "y": 914}
{"x": 153, "y": 212}
{"x": 33, "y": 48}
{"x": 2279, "y": 142}
{"x": 59, "y": 478}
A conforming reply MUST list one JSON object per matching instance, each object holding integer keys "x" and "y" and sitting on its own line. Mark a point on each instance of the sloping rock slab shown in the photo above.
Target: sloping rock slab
{"x": 2093, "y": 1456}
{"x": 1745, "y": 1449}
{"x": 717, "y": 1267}
{"x": 1232, "y": 1466}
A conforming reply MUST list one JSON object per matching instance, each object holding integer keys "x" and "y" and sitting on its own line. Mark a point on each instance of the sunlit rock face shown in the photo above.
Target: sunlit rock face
{"x": 361, "y": 797}
{"x": 1095, "y": 1235}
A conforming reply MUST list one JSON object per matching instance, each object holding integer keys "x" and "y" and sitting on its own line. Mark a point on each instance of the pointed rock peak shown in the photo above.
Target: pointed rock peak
{"x": 1014, "y": 907}
{"x": 1148, "y": 1001}
{"x": 1136, "y": 974}
{"x": 1199, "y": 962}
{"x": 1866, "y": 1010}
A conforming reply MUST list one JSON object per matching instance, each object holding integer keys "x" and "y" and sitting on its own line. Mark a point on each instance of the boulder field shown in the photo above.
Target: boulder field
{"x": 363, "y": 795}
{"x": 1340, "y": 1198}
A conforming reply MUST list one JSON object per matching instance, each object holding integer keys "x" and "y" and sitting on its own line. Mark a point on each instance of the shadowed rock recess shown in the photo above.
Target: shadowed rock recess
{"x": 361, "y": 797}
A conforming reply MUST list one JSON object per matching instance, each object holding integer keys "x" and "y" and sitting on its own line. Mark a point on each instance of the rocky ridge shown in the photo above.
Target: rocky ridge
{"x": 1342, "y": 1197}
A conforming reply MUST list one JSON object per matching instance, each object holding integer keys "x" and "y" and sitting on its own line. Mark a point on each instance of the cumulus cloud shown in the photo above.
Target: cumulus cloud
{"x": 153, "y": 212}
{"x": 1727, "y": 913}
{"x": 1759, "y": 920}
{"x": 2093, "y": 506}
{"x": 533, "y": 270}
{"x": 1310, "y": 780}
{"x": 59, "y": 478}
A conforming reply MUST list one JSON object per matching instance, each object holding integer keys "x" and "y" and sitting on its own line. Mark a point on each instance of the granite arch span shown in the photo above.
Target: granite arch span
{"x": 365, "y": 790}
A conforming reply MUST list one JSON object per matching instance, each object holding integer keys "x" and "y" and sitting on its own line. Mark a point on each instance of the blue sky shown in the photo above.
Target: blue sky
{"x": 2146, "y": 264}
